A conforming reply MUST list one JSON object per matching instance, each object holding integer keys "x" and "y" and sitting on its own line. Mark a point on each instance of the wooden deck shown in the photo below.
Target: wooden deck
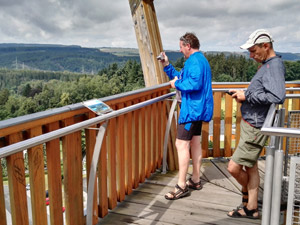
{"x": 220, "y": 193}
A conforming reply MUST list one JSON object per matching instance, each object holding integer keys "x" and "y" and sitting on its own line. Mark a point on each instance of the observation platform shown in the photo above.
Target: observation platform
{"x": 220, "y": 194}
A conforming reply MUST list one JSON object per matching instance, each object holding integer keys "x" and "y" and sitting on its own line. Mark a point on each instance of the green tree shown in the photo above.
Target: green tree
{"x": 4, "y": 94}
{"x": 224, "y": 78}
{"x": 12, "y": 105}
{"x": 64, "y": 99}
{"x": 25, "y": 90}
{"x": 28, "y": 106}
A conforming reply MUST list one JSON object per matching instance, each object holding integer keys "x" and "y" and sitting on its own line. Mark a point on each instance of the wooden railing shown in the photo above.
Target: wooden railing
{"x": 131, "y": 151}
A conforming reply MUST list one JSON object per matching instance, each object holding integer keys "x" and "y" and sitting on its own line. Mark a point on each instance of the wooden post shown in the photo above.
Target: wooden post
{"x": 73, "y": 189}
{"x": 54, "y": 177}
{"x": 228, "y": 126}
{"x": 37, "y": 179}
{"x": 2, "y": 197}
{"x": 217, "y": 124}
{"x": 17, "y": 184}
{"x": 149, "y": 40}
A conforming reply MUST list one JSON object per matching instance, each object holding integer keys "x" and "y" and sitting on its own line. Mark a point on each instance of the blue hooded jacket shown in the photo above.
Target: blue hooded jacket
{"x": 194, "y": 83}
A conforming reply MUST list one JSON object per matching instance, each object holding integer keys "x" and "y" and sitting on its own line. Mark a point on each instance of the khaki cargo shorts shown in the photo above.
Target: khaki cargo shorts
{"x": 250, "y": 145}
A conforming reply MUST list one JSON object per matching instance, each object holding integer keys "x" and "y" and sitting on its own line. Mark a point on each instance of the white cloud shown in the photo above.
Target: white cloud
{"x": 220, "y": 25}
{"x": 224, "y": 25}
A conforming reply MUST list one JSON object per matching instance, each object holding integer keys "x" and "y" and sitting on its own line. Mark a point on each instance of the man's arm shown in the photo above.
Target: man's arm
{"x": 193, "y": 77}
{"x": 273, "y": 90}
{"x": 168, "y": 68}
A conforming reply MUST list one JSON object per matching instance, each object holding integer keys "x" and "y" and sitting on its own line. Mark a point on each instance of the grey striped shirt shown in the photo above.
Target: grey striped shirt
{"x": 266, "y": 87}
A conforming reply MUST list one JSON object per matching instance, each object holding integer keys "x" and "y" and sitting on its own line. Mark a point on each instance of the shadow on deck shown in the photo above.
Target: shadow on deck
{"x": 220, "y": 194}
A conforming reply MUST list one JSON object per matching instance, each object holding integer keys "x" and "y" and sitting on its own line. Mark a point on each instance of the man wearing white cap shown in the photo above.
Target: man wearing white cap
{"x": 266, "y": 87}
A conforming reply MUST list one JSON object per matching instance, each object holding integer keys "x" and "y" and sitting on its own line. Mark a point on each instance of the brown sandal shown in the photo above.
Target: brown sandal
{"x": 180, "y": 193}
{"x": 196, "y": 186}
{"x": 248, "y": 213}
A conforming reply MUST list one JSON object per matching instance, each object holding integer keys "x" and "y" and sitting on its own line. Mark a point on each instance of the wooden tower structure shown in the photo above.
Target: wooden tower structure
{"x": 149, "y": 40}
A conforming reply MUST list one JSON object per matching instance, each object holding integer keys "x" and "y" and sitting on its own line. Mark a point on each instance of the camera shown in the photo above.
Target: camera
{"x": 160, "y": 57}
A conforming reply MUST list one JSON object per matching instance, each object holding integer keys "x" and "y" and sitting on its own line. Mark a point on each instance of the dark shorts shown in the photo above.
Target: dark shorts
{"x": 250, "y": 145}
{"x": 186, "y": 131}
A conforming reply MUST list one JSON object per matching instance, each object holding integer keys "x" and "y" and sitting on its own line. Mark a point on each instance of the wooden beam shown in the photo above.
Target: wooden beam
{"x": 134, "y": 5}
{"x": 149, "y": 40}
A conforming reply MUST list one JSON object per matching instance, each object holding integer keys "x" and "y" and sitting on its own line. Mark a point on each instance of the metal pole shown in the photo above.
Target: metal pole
{"x": 267, "y": 197}
{"x": 92, "y": 175}
{"x": 171, "y": 113}
{"x": 276, "y": 192}
{"x": 291, "y": 196}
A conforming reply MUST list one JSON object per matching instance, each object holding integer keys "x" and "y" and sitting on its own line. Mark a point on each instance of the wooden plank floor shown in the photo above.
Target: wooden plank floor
{"x": 220, "y": 194}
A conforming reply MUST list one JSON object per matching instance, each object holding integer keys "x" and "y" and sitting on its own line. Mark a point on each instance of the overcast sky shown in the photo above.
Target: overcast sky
{"x": 221, "y": 25}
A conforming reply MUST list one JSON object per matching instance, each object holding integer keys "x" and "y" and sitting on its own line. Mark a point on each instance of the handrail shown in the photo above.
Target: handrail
{"x": 246, "y": 82}
{"x": 268, "y": 129}
{"x": 270, "y": 116}
{"x": 292, "y": 95}
{"x": 282, "y": 132}
{"x": 287, "y": 89}
{"x": 20, "y": 146}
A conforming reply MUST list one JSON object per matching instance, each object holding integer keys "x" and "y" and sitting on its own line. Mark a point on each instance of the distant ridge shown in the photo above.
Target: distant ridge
{"x": 74, "y": 58}
{"x": 133, "y": 51}
{"x": 7, "y": 45}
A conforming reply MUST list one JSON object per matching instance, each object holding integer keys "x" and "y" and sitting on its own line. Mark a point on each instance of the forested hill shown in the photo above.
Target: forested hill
{"x": 65, "y": 58}
{"x": 57, "y": 58}
{"x": 78, "y": 59}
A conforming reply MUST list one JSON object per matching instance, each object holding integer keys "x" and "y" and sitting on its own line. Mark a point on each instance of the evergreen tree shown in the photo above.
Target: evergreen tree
{"x": 4, "y": 94}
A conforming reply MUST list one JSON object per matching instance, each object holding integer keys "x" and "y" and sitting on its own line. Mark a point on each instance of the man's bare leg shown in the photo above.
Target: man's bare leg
{"x": 183, "y": 151}
{"x": 253, "y": 186}
{"x": 249, "y": 180}
{"x": 238, "y": 173}
{"x": 196, "y": 152}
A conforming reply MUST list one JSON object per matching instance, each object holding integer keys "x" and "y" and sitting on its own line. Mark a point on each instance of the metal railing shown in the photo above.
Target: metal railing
{"x": 293, "y": 206}
{"x": 274, "y": 127}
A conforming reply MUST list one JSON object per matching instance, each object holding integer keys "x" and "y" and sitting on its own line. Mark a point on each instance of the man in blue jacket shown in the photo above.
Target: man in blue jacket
{"x": 194, "y": 84}
{"x": 266, "y": 87}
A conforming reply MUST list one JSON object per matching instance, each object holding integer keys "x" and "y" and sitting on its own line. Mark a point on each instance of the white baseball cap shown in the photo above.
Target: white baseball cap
{"x": 257, "y": 37}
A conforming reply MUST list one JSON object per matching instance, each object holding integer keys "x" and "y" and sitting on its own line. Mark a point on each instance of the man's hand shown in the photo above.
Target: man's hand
{"x": 239, "y": 95}
{"x": 172, "y": 82}
{"x": 165, "y": 61}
